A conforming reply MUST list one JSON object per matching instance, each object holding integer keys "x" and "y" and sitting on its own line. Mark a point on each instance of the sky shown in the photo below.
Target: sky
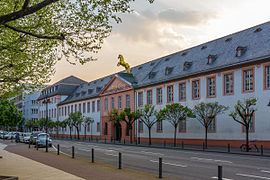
{"x": 165, "y": 27}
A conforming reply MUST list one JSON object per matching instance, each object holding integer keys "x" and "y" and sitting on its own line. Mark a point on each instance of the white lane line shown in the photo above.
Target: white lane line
{"x": 222, "y": 178}
{"x": 265, "y": 171}
{"x": 214, "y": 160}
{"x": 171, "y": 164}
{"x": 110, "y": 154}
{"x": 147, "y": 152}
{"x": 61, "y": 151}
{"x": 252, "y": 176}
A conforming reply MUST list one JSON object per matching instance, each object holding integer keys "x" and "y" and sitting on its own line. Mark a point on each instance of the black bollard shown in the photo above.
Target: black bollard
{"x": 120, "y": 161}
{"x": 229, "y": 148}
{"x": 93, "y": 160}
{"x": 261, "y": 150}
{"x": 73, "y": 152}
{"x": 219, "y": 172}
{"x": 37, "y": 146}
{"x": 160, "y": 168}
{"x": 124, "y": 141}
{"x": 58, "y": 149}
{"x": 29, "y": 144}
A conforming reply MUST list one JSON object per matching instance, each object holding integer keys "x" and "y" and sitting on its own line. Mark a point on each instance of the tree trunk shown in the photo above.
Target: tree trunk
{"x": 247, "y": 142}
{"x": 149, "y": 133}
{"x": 78, "y": 133}
{"x": 174, "y": 140}
{"x": 85, "y": 132}
{"x": 130, "y": 134}
{"x": 70, "y": 133}
{"x": 205, "y": 138}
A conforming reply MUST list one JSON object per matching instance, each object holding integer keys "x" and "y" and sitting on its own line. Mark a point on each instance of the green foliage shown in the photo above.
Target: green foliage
{"x": 9, "y": 114}
{"x": 35, "y": 34}
{"x": 76, "y": 119}
{"x": 147, "y": 115}
{"x": 205, "y": 110}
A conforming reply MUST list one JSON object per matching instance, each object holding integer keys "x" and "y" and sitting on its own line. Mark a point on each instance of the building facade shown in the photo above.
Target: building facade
{"x": 231, "y": 68}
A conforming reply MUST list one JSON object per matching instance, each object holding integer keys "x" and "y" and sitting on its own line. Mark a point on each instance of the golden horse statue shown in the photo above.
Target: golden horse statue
{"x": 123, "y": 63}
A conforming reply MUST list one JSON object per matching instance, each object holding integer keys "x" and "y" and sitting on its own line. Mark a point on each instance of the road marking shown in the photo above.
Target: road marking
{"x": 171, "y": 164}
{"x": 265, "y": 171}
{"x": 222, "y": 178}
{"x": 215, "y": 160}
{"x": 147, "y": 152}
{"x": 61, "y": 151}
{"x": 252, "y": 176}
{"x": 110, "y": 154}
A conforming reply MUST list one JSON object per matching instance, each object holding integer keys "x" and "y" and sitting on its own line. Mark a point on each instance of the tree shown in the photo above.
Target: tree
{"x": 147, "y": 117}
{"x": 206, "y": 114}
{"x": 69, "y": 123}
{"x": 117, "y": 118}
{"x": 37, "y": 33}
{"x": 77, "y": 119}
{"x": 57, "y": 125}
{"x": 10, "y": 116}
{"x": 174, "y": 113}
{"x": 244, "y": 113}
{"x": 87, "y": 121}
{"x": 42, "y": 124}
{"x": 131, "y": 117}
{"x": 63, "y": 124}
{"x": 31, "y": 124}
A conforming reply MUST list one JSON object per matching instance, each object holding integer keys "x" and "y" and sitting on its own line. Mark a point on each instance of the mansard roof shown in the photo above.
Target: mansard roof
{"x": 256, "y": 41}
{"x": 71, "y": 80}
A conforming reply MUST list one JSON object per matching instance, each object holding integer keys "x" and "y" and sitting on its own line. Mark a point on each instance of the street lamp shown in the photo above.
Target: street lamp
{"x": 46, "y": 101}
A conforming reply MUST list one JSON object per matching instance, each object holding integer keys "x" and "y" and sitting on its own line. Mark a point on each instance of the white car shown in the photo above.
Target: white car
{"x": 41, "y": 140}
{"x": 26, "y": 137}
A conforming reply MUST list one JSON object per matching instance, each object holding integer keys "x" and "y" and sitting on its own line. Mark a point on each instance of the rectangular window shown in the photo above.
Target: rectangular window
{"x": 65, "y": 110}
{"x": 98, "y": 127}
{"x": 72, "y": 108}
{"x": 106, "y": 104}
{"x": 149, "y": 97}
{"x": 59, "y": 112}
{"x": 140, "y": 126}
{"x": 54, "y": 112}
{"x": 127, "y": 101}
{"x": 170, "y": 94}
{"x": 267, "y": 77}
{"x": 182, "y": 126}
{"x": 140, "y": 99}
{"x": 106, "y": 129}
{"x": 212, "y": 124}
{"x": 88, "y": 127}
{"x": 112, "y": 103}
{"x": 88, "y": 107}
{"x": 159, "y": 95}
{"x": 228, "y": 81}
{"x": 75, "y": 108}
{"x": 211, "y": 86}
{"x": 62, "y": 111}
{"x": 160, "y": 126}
{"x": 93, "y": 106}
{"x": 68, "y": 110}
{"x": 80, "y": 107}
{"x": 98, "y": 105}
{"x": 248, "y": 80}
{"x": 120, "y": 102}
{"x": 182, "y": 91}
{"x": 196, "y": 89}
{"x": 83, "y": 107}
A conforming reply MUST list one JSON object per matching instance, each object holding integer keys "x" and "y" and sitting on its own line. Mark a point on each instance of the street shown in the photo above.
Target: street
{"x": 182, "y": 164}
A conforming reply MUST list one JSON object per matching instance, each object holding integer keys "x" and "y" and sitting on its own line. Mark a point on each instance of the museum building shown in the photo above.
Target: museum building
{"x": 225, "y": 70}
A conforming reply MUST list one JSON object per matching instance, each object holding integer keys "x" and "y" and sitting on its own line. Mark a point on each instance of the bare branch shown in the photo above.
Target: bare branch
{"x": 62, "y": 37}
{"x": 25, "y": 5}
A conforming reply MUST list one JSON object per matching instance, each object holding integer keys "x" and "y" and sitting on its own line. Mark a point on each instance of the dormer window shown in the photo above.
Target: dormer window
{"x": 89, "y": 84}
{"x": 240, "y": 51}
{"x": 187, "y": 65}
{"x": 211, "y": 59}
{"x": 77, "y": 94}
{"x": 83, "y": 93}
{"x": 168, "y": 70}
{"x": 151, "y": 75}
{"x": 90, "y": 91}
{"x": 98, "y": 89}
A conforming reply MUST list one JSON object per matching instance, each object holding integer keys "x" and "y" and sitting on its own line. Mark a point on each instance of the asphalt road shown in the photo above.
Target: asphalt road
{"x": 182, "y": 164}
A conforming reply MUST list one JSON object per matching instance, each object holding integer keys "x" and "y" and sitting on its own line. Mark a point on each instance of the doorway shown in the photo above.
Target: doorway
{"x": 118, "y": 131}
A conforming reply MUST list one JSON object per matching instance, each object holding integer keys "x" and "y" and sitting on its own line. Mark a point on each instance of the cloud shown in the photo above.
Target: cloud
{"x": 184, "y": 17}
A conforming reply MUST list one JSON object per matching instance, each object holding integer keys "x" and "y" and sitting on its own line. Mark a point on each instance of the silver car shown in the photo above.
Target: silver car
{"x": 26, "y": 137}
{"x": 41, "y": 140}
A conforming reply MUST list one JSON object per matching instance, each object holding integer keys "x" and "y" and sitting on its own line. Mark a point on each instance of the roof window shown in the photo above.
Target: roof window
{"x": 98, "y": 89}
{"x": 258, "y": 30}
{"x": 211, "y": 59}
{"x": 151, "y": 75}
{"x": 203, "y": 47}
{"x": 77, "y": 94}
{"x": 152, "y": 63}
{"x": 140, "y": 68}
{"x": 83, "y": 93}
{"x": 167, "y": 59}
{"x": 168, "y": 70}
{"x": 228, "y": 39}
{"x": 240, "y": 51}
{"x": 90, "y": 91}
{"x": 187, "y": 65}
{"x": 184, "y": 53}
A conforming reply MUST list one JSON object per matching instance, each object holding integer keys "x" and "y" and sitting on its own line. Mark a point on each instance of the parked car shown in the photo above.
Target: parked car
{"x": 33, "y": 137}
{"x": 41, "y": 140}
{"x": 10, "y": 135}
{"x": 2, "y": 134}
{"x": 26, "y": 137}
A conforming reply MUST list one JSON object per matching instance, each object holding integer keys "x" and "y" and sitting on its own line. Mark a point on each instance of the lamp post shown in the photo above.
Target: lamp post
{"x": 46, "y": 101}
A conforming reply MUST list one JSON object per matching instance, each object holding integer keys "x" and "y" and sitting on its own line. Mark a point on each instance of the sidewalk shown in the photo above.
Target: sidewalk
{"x": 24, "y": 168}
